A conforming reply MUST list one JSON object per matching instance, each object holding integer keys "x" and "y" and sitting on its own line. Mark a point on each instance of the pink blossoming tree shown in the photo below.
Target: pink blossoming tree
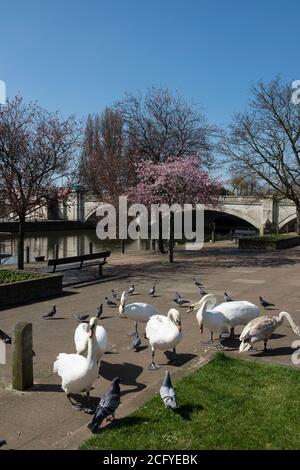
{"x": 178, "y": 180}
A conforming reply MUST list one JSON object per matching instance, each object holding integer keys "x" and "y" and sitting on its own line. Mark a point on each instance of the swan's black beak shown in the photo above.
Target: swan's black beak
{"x": 179, "y": 326}
{"x": 201, "y": 329}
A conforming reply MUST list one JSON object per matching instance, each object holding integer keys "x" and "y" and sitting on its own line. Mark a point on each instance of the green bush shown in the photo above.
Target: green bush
{"x": 7, "y": 277}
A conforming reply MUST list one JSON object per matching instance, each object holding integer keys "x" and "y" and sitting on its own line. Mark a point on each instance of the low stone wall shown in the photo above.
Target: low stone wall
{"x": 18, "y": 293}
{"x": 268, "y": 245}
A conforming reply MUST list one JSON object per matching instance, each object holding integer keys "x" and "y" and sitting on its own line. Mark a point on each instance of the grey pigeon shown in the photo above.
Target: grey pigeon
{"x": 202, "y": 291}
{"x": 5, "y": 338}
{"x": 227, "y": 297}
{"x": 265, "y": 303}
{"x": 197, "y": 283}
{"x": 2, "y": 442}
{"x": 177, "y": 297}
{"x": 131, "y": 290}
{"x": 107, "y": 405}
{"x": 136, "y": 342}
{"x": 110, "y": 302}
{"x": 181, "y": 302}
{"x": 152, "y": 290}
{"x": 51, "y": 313}
{"x": 82, "y": 317}
{"x": 167, "y": 392}
{"x": 99, "y": 310}
{"x": 114, "y": 294}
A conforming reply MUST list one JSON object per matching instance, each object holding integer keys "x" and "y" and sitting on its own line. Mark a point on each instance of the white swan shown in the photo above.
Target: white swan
{"x": 81, "y": 338}
{"x": 164, "y": 332}
{"x": 262, "y": 328}
{"x": 213, "y": 320}
{"x": 238, "y": 312}
{"x": 138, "y": 311}
{"x": 78, "y": 373}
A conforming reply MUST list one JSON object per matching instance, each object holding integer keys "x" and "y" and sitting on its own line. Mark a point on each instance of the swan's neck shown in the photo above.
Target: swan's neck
{"x": 201, "y": 312}
{"x": 207, "y": 299}
{"x": 286, "y": 315}
{"x": 122, "y": 304}
{"x": 170, "y": 317}
{"x": 91, "y": 357}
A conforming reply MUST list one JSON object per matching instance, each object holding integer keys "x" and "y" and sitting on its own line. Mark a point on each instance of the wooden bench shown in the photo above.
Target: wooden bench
{"x": 247, "y": 233}
{"x": 99, "y": 258}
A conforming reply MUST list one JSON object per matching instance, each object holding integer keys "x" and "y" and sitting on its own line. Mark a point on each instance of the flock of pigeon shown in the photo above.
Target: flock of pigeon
{"x": 79, "y": 371}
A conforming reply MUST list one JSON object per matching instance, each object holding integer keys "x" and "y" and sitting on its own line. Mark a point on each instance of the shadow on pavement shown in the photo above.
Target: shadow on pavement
{"x": 180, "y": 359}
{"x": 282, "y": 351}
{"x": 127, "y": 372}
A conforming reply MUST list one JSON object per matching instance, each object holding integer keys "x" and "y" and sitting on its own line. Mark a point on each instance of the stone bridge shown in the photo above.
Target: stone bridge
{"x": 256, "y": 211}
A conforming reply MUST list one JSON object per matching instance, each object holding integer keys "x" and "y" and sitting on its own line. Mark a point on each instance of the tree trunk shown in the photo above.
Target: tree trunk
{"x": 298, "y": 219}
{"x": 21, "y": 242}
{"x": 171, "y": 240}
{"x": 160, "y": 239}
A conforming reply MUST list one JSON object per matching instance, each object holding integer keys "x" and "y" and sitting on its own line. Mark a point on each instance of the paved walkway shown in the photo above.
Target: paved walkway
{"x": 42, "y": 417}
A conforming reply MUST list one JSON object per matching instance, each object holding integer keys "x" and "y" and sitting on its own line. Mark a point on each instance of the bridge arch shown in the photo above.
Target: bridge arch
{"x": 240, "y": 215}
{"x": 225, "y": 210}
{"x": 288, "y": 219}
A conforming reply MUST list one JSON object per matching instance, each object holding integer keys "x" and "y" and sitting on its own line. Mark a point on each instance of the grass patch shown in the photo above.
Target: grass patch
{"x": 227, "y": 404}
{"x": 8, "y": 277}
{"x": 275, "y": 236}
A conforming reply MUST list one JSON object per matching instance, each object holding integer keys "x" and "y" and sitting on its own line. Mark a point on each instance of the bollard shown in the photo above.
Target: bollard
{"x": 91, "y": 248}
{"x": 27, "y": 254}
{"x": 55, "y": 251}
{"x": 123, "y": 246}
{"x": 22, "y": 364}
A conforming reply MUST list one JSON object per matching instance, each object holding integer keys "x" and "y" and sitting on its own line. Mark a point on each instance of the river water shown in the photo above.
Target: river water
{"x": 70, "y": 243}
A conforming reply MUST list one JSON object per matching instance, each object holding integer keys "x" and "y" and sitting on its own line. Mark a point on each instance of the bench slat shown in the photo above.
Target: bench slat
{"x": 78, "y": 259}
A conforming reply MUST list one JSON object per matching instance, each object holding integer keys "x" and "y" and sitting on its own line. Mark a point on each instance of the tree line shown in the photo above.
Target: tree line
{"x": 41, "y": 151}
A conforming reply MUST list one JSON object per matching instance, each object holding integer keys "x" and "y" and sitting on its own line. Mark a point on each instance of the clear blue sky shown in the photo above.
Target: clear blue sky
{"x": 79, "y": 56}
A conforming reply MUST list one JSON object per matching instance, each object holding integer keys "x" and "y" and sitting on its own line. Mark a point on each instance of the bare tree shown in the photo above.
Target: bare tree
{"x": 107, "y": 158}
{"x": 162, "y": 125}
{"x": 265, "y": 141}
{"x": 36, "y": 149}
{"x": 244, "y": 185}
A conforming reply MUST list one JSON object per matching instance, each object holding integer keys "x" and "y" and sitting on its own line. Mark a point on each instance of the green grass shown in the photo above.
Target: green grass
{"x": 227, "y": 404}
{"x": 7, "y": 277}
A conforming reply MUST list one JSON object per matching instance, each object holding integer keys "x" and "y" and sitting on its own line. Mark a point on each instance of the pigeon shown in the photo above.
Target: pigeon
{"x": 82, "y": 318}
{"x": 107, "y": 405}
{"x": 197, "y": 283}
{"x": 2, "y": 443}
{"x": 114, "y": 294}
{"x": 99, "y": 310}
{"x": 136, "y": 342}
{"x": 202, "y": 291}
{"x": 50, "y": 314}
{"x": 264, "y": 303}
{"x": 110, "y": 302}
{"x": 227, "y": 297}
{"x": 152, "y": 290}
{"x": 181, "y": 302}
{"x": 177, "y": 297}
{"x": 5, "y": 338}
{"x": 131, "y": 290}
{"x": 167, "y": 392}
